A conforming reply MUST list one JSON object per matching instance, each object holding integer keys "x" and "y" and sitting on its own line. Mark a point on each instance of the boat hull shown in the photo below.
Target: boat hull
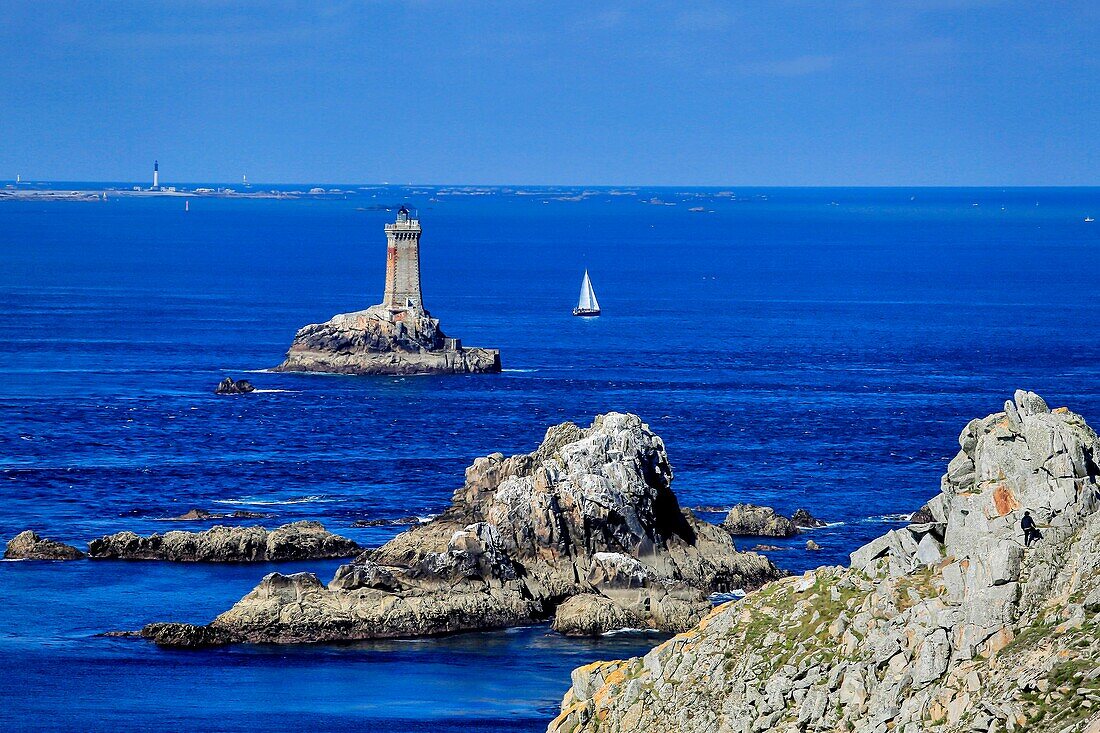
{"x": 586, "y": 312}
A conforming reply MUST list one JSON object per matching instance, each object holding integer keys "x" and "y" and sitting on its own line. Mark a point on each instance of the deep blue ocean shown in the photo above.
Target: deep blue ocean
{"x": 815, "y": 348}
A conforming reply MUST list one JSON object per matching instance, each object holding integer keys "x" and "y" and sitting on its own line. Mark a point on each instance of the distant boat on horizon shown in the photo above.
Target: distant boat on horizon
{"x": 1089, "y": 220}
{"x": 587, "y": 305}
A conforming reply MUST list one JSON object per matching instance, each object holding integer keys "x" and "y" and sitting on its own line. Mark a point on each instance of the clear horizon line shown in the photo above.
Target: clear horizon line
{"x": 162, "y": 184}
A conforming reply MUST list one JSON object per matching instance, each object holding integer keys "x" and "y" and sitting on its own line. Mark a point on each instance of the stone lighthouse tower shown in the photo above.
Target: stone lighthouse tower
{"x": 403, "y": 263}
{"x": 397, "y": 336}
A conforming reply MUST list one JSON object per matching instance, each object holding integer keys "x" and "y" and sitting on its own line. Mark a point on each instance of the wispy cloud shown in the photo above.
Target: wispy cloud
{"x": 704, "y": 19}
{"x": 796, "y": 66}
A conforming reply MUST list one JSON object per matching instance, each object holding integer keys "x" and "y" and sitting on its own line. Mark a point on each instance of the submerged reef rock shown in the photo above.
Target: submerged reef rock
{"x": 590, "y": 513}
{"x": 228, "y": 386}
{"x": 748, "y": 520}
{"x": 381, "y": 340}
{"x": 27, "y": 545}
{"x": 202, "y": 515}
{"x": 386, "y": 522}
{"x": 296, "y": 541}
{"x": 950, "y": 625}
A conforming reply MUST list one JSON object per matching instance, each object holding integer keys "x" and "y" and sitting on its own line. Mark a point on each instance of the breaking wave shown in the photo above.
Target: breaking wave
{"x": 249, "y": 501}
{"x": 890, "y": 518}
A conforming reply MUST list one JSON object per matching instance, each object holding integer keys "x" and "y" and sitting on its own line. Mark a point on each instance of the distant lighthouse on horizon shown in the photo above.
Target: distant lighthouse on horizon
{"x": 156, "y": 174}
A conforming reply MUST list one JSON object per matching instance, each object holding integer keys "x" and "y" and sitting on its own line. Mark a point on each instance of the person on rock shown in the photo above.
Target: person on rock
{"x": 1031, "y": 532}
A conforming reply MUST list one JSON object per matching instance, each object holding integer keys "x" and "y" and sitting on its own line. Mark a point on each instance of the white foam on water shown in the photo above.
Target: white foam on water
{"x": 627, "y": 630}
{"x": 733, "y": 595}
{"x": 827, "y": 525}
{"x": 247, "y": 501}
{"x": 890, "y": 518}
{"x": 519, "y": 371}
{"x": 271, "y": 391}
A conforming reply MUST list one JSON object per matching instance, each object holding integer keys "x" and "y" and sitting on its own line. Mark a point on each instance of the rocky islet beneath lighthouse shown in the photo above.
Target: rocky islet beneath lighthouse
{"x": 398, "y": 336}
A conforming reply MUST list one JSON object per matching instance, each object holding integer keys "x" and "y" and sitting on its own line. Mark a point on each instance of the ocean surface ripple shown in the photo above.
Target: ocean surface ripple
{"x": 790, "y": 352}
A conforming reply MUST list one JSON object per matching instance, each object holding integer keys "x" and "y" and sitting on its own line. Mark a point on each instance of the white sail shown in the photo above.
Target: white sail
{"x": 587, "y": 301}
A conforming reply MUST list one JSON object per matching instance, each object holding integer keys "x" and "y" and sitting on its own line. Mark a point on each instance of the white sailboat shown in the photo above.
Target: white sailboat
{"x": 587, "y": 305}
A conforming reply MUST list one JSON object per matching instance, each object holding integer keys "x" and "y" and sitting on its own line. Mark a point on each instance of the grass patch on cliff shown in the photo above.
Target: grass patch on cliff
{"x": 915, "y": 587}
{"x": 1070, "y": 699}
{"x": 799, "y": 620}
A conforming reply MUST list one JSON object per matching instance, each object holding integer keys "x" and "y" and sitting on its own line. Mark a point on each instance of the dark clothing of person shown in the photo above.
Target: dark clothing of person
{"x": 1031, "y": 534}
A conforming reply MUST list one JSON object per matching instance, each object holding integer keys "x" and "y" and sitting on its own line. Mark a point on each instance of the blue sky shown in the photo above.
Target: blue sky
{"x": 860, "y": 92}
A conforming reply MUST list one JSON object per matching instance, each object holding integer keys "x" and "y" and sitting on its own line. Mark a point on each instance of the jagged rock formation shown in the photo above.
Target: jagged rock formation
{"x": 749, "y": 520}
{"x": 27, "y": 545}
{"x": 379, "y": 340}
{"x": 950, "y": 624}
{"x": 802, "y": 518}
{"x": 589, "y": 514}
{"x": 296, "y": 541}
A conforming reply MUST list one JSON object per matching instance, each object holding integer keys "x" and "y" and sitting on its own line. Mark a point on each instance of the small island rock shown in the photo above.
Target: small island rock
{"x": 802, "y": 518}
{"x": 398, "y": 336}
{"x": 27, "y": 545}
{"x": 380, "y": 341}
{"x": 750, "y": 520}
{"x": 228, "y": 386}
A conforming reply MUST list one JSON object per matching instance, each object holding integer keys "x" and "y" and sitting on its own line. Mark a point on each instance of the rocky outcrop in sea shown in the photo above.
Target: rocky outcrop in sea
{"x": 303, "y": 540}
{"x": 229, "y": 386}
{"x": 951, "y": 624}
{"x": 758, "y": 521}
{"x": 27, "y": 545}
{"x": 585, "y": 530}
{"x": 379, "y": 340}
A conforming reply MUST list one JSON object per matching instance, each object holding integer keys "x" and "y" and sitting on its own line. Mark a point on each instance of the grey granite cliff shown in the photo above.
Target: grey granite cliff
{"x": 949, "y": 625}
{"x": 585, "y": 530}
